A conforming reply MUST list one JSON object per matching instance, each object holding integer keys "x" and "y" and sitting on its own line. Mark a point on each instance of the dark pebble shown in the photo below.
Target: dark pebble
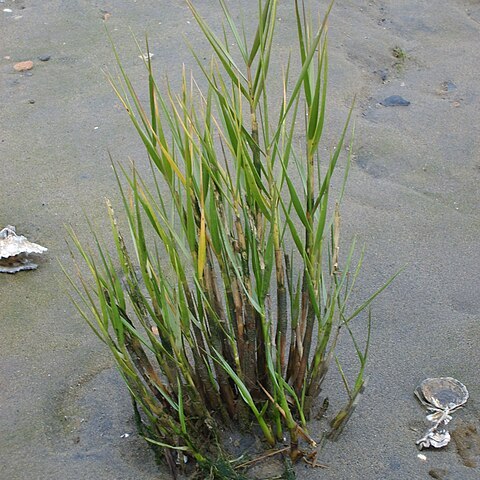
{"x": 31, "y": 102}
{"x": 44, "y": 58}
{"x": 395, "y": 101}
{"x": 383, "y": 74}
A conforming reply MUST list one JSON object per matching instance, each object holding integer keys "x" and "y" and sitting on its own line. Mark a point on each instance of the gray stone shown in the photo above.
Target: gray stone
{"x": 395, "y": 101}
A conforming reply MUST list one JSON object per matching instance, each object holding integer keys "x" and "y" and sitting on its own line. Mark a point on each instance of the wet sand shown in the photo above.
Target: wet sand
{"x": 413, "y": 197}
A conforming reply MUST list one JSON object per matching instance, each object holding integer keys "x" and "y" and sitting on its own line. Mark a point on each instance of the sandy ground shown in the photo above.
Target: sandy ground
{"x": 413, "y": 197}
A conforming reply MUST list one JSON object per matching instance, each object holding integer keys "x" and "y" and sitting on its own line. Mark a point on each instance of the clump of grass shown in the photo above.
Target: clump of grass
{"x": 399, "y": 53}
{"x": 400, "y": 56}
{"x": 229, "y": 309}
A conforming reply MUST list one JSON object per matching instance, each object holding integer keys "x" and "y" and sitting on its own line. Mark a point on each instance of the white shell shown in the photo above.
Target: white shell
{"x": 12, "y": 244}
{"x": 442, "y": 393}
{"x": 14, "y": 251}
{"x": 442, "y": 396}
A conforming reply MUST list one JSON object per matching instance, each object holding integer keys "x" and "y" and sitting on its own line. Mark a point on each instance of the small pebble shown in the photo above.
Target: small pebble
{"x": 7, "y": 10}
{"x": 31, "y": 102}
{"x": 448, "y": 86}
{"x": 395, "y": 101}
{"x": 383, "y": 74}
{"x": 44, "y": 58}
{"x": 146, "y": 56}
{"x": 23, "y": 66}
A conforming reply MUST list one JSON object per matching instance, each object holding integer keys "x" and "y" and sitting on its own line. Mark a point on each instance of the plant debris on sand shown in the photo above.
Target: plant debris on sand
{"x": 231, "y": 307}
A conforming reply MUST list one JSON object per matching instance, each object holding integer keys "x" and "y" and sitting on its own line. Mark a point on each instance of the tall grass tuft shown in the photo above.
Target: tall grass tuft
{"x": 228, "y": 308}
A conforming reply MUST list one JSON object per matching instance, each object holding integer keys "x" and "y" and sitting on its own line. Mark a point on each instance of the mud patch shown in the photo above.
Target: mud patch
{"x": 367, "y": 163}
{"x": 467, "y": 441}
{"x": 271, "y": 468}
{"x": 438, "y": 473}
{"x": 473, "y": 11}
{"x": 94, "y": 423}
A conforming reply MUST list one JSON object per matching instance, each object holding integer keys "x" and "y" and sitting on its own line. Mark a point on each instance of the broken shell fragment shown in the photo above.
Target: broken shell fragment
{"x": 14, "y": 265}
{"x": 15, "y": 250}
{"x": 434, "y": 438}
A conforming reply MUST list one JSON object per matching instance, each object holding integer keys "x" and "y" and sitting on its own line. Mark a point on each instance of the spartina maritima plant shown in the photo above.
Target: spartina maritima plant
{"x": 229, "y": 309}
